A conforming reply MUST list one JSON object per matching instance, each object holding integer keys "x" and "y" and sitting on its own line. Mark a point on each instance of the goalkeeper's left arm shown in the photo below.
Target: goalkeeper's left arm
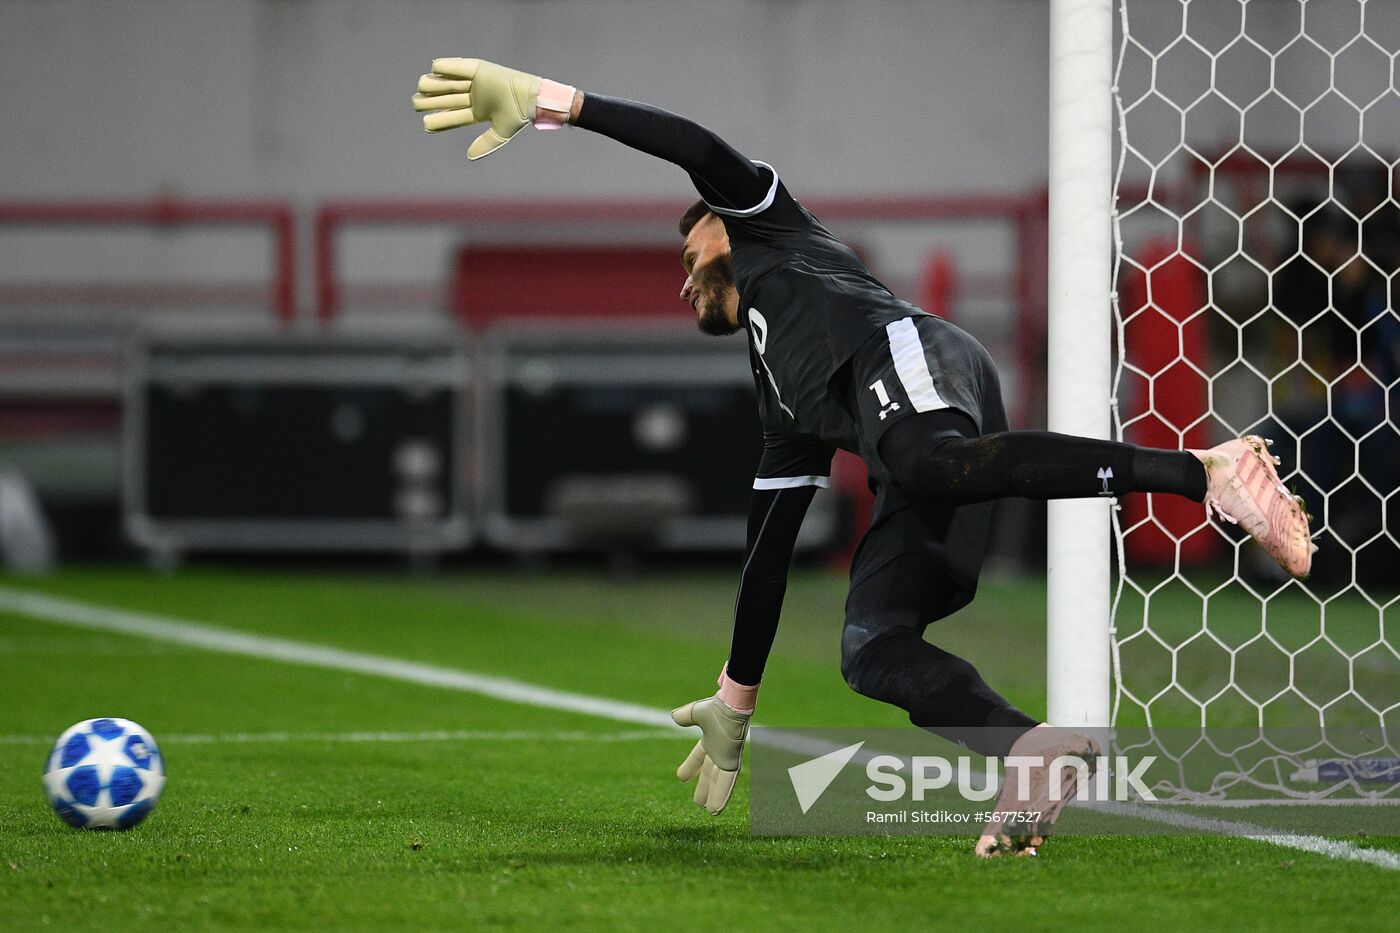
{"x": 468, "y": 91}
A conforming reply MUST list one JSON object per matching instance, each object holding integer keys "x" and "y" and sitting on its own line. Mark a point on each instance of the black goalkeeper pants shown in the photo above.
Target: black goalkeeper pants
{"x": 938, "y": 458}
{"x": 884, "y": 656}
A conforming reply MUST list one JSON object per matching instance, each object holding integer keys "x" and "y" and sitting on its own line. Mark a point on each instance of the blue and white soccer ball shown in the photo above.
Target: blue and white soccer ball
{"x": 104, "y": 774}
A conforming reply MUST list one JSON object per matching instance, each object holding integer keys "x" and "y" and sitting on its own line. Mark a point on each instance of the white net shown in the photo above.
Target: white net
{"x": 1258, "y": 237}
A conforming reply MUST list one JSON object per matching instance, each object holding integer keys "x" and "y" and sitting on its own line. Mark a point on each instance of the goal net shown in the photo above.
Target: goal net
{"x": 1257, "y": 233}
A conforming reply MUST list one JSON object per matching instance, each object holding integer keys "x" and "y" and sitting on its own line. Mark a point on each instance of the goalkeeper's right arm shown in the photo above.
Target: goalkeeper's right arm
{"x": 466, "y": 91}
{"x": 775, "y": 516}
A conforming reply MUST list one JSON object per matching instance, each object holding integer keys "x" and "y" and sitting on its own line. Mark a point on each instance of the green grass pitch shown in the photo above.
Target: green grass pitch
{"x": 518, "y": 817}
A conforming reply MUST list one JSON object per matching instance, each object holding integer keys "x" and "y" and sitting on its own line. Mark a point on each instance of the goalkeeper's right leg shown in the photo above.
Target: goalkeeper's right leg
{"x": 939, "y": 456}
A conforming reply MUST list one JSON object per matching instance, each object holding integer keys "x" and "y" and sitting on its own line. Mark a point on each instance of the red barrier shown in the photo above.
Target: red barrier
{"x": 938, "y": 285}
{"x": 1163, "y": 340}
{"x": 568, "y": 281}
{"x": 1032, "y": 304}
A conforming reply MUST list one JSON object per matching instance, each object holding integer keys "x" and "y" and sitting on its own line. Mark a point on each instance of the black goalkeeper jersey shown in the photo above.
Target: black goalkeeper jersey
{"x": 808, "y": 304}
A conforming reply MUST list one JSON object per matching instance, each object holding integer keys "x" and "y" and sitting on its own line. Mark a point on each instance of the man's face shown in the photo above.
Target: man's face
{"x": 709, "y": 278}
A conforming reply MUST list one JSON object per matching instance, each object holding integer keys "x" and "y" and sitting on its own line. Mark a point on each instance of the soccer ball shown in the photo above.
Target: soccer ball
{"x": 104, "y": 774}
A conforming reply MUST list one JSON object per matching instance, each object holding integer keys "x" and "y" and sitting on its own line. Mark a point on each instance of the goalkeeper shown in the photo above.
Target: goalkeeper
{"x": 840, "y": 362}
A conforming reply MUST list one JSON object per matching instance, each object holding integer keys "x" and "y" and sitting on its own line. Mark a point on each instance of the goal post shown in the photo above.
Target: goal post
{"x": 1079, "y": 332}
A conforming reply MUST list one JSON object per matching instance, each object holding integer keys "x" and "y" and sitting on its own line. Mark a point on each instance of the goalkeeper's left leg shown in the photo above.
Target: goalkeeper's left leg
{"x": 884, "y": 655}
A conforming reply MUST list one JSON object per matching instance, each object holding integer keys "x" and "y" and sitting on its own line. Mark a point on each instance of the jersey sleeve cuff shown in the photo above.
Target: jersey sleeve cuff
{"x": 791, "y": 482}
{"x": 758, "y": 208}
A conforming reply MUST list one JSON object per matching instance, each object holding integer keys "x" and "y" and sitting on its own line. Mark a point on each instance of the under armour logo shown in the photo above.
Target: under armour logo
{"x": 1105, "y": 474}
{"x": 884, "y": 412}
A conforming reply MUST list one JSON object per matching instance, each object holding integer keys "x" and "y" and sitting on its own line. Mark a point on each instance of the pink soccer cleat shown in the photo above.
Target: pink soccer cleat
{"x": 1243, "y": 488}
{"x": 1020, "y": 825}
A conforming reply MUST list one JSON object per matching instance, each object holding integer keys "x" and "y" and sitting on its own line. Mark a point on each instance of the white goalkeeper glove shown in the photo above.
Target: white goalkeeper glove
{"x": 717, "y": 756}
{"x": 463, "y": 91}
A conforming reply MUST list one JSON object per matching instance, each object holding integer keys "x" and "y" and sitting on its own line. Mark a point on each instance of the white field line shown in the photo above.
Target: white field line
{"x": 1382, "y": 858}
{"x": 437, "y": 735}
{"x": 1283, "y": 802}
{"x": 88, "y": 616}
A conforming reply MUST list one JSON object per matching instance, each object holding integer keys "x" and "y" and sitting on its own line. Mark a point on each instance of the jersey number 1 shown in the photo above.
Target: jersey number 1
{"x": 882, "y": 395}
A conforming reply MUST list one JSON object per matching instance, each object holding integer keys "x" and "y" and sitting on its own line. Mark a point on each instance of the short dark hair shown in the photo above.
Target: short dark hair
{"x": 693, "y": 215}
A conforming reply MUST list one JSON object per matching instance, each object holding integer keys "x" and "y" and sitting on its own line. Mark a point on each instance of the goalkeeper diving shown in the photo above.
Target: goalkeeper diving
{"x": 839, "y": 362}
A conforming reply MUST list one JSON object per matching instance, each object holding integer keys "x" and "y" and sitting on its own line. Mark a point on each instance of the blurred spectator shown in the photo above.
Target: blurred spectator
{"x": 1337, "y": 290}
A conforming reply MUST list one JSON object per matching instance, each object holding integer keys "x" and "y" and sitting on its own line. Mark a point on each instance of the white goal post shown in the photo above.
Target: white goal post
{"x": 1079, "y": 329}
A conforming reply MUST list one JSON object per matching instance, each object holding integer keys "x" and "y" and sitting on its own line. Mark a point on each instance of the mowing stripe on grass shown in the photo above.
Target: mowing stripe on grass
{"x": 199, "y": 635}
{"x": 87, "y": 616}
{"x": 437, "y": 735}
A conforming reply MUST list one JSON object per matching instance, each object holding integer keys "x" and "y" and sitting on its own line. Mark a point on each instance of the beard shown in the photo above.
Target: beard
{"x": 714, "y": 281}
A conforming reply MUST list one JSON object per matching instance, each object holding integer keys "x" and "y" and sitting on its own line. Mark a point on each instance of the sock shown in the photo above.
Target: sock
{"x": 1169, "y": 471}
{"x": 929, "y": 461}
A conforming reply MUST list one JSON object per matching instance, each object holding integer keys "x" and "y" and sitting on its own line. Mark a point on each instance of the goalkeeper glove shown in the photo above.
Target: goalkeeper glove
{"x": 717, "y": 756}
{"x": 463, "y": 91}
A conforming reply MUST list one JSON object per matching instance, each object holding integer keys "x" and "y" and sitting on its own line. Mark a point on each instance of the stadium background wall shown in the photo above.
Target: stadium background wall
{"x": 310, "y": 98}
{"x": 293, "y": 117}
